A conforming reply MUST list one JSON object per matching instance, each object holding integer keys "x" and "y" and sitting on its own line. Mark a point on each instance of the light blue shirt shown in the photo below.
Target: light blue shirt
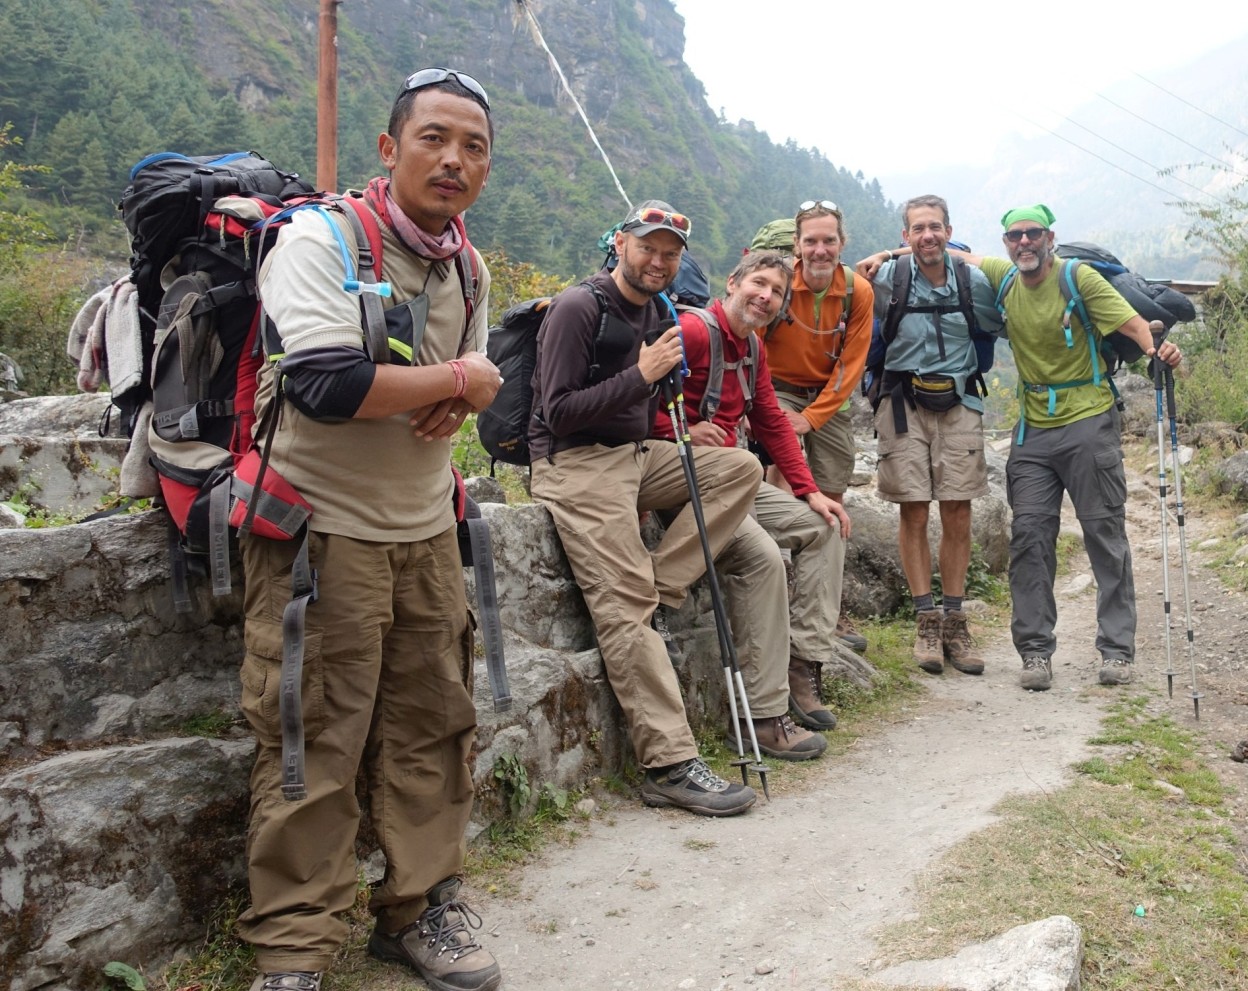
{"x": 916, "y": 349}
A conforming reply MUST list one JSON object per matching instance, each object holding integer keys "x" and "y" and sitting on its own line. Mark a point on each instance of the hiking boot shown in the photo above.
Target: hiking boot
{"x": 658, "y": 623}
{"x": 850, "y": 637}
{"x": 1115, "y": 671}
{"x": 779, "y": 737}
{"x": 288, "y": 980}
{"x": 929, "y": 647}
{"x": 961, "y": 650}
{"x": 1037, "y": 673}
{"x": 439, "y": 945}
{"x": 805, "y": 705}
{"x": 693, "y": 786}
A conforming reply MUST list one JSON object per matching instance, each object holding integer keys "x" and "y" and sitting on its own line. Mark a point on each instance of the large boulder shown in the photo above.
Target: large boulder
{"x": 1039, "y": 956}
{"x": 1231, "y": 476}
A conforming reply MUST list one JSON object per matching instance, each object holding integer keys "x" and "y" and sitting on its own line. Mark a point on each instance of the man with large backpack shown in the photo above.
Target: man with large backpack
{"x": 817, "y": 353}
{"x": 594, "y": 392}
{"x": 1068, "y": 441}
{"x": 388, "y": 646}
{"x": 781, "y": 643}
{"x": 928, "y": 418}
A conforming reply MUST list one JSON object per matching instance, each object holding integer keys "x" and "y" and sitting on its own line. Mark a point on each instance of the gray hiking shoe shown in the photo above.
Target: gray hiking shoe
{"x": 929, "y": 648}
{"x": 288, "y": 980}
{"x": 693, "y": 786}
{"x": 440, "y": 946}
{"x": 1037, "y": 673}
{"x": 1115, "y": 671}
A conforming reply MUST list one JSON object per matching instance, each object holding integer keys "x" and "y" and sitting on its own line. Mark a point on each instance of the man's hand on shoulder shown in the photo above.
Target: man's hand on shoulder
{"x": 659, "y": 358}
{"x": 831, "y": 510}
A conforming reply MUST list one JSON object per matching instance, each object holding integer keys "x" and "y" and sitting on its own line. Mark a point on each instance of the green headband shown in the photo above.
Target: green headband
{"x": 1040, "y": 213}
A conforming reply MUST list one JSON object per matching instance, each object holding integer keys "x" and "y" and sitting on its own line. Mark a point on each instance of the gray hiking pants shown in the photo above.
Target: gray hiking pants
{"x": 1083, "y": 459}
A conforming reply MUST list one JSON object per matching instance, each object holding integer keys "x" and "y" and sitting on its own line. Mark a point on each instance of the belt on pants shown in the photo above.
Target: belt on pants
{"x": 805, "y": 391}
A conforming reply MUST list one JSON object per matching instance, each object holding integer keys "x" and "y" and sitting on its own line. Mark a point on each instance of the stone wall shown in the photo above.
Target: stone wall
{"x": 121, "y": 830}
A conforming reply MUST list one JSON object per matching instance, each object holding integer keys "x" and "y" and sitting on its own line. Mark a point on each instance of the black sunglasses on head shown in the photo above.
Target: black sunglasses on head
{"x": 432, "y": 76}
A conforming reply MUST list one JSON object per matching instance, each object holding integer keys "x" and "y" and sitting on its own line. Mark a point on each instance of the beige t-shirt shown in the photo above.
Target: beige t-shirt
{"x": 367, "y": 479}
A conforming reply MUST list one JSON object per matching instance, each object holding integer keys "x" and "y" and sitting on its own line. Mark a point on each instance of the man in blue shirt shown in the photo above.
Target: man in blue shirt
{"x": 928, "y": 420}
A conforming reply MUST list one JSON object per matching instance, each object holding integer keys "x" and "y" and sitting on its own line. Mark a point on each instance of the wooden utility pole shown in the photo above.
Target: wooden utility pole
{"x": 327, "y": 99}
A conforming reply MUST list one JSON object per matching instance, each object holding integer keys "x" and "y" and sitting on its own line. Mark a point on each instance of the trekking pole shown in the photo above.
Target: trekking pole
{"x": 1168, "y": 374}
{"x": 1158, "y": 389}
{"x": 674, "y": 397}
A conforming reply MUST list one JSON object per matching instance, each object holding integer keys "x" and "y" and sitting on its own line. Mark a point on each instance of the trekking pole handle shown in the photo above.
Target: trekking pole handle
{"x": 670, "y": 382}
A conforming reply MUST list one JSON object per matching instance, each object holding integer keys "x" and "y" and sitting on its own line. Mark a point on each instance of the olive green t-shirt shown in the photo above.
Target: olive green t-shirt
{"x": 1034, "y": 329}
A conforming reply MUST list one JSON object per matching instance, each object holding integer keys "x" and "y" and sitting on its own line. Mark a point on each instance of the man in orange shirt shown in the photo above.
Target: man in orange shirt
{"x": 817, "y": 355}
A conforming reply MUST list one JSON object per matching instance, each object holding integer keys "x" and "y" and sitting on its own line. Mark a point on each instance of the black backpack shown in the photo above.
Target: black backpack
{"x": 164, "y": 207}
{"x": 503, "y": 426}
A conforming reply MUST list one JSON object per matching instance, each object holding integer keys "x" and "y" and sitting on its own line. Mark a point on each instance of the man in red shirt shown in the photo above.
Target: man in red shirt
{"x": 779, "y": 643}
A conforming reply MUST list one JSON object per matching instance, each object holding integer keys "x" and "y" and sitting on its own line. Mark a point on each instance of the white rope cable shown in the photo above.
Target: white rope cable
{"x": 537, "y": 36}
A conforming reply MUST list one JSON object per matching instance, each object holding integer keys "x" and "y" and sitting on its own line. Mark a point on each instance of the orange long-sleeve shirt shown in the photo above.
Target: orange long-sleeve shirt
{"x": 798, "y": 352}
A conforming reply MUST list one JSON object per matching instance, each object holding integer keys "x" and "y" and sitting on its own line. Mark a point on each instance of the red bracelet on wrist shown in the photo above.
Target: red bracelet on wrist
{"x": 461, "y": 379}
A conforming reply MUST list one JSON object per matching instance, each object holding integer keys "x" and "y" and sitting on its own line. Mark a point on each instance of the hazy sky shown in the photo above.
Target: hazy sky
{"x": 842, "y": 76}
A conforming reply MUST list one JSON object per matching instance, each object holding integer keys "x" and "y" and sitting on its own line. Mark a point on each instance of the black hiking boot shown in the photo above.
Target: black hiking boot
{"x": 658, "y": 623}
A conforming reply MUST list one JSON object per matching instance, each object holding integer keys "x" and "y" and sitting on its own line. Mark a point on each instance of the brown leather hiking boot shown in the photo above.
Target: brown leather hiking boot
{"x": 805, "y": 704}
{"x": 849, "y": 636}
{"x": 929, "y": 648}
{"x": 440, "y": 945}
{"x": 779, "y": 737}
{"x": 961, "y": 650}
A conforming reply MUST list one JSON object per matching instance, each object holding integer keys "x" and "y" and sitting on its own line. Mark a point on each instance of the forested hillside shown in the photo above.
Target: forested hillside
{"x": 91, "y": 86}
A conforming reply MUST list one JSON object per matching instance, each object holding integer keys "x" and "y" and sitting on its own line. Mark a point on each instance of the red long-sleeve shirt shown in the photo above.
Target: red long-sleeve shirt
{"x": 766, "y": 418}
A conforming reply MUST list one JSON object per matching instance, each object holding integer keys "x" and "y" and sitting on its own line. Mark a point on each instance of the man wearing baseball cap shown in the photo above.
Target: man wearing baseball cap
{"x": 595, "y": 393}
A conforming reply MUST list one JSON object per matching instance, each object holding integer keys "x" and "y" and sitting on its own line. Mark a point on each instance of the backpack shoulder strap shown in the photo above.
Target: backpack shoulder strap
{"x": 368, "y": 248}
{"x": 713, "y": 394}
{"x": 966, "y": 302}
{"x": 902, "y": 275}
{"x": 603, "y": 316}
{"x": 849, "y": 294}
{"x": 466, "y": 266}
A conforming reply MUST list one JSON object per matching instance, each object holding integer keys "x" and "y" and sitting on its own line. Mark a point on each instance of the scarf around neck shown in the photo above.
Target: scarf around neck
{"x": 415, "y": 239}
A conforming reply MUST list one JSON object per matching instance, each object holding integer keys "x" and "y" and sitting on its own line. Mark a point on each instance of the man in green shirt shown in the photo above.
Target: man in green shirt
{"x": 1068, "y": 441}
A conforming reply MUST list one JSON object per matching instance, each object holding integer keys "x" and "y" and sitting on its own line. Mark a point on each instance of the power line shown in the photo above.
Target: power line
{"x": 1202, "y": 110}
{"x": 1111, "y": 164}
{"x": 1127, "y": 151}
{"x": 1164, "y": 131}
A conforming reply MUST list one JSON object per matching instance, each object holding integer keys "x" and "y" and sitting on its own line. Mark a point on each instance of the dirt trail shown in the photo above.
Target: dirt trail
{"x": 662, "y": 899}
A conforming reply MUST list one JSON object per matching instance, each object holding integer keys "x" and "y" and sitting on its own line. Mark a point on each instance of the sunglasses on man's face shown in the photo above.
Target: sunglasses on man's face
{"x": 653, "y": 215}
{"x": 1032, "y": 234}
{"x": 431, "y": 77}
{"x": 823, "y": 204}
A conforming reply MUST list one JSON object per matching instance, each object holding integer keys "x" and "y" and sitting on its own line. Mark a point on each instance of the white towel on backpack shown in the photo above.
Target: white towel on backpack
{"x": 86, "y": 340}
{"x": 123, "y": 338}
